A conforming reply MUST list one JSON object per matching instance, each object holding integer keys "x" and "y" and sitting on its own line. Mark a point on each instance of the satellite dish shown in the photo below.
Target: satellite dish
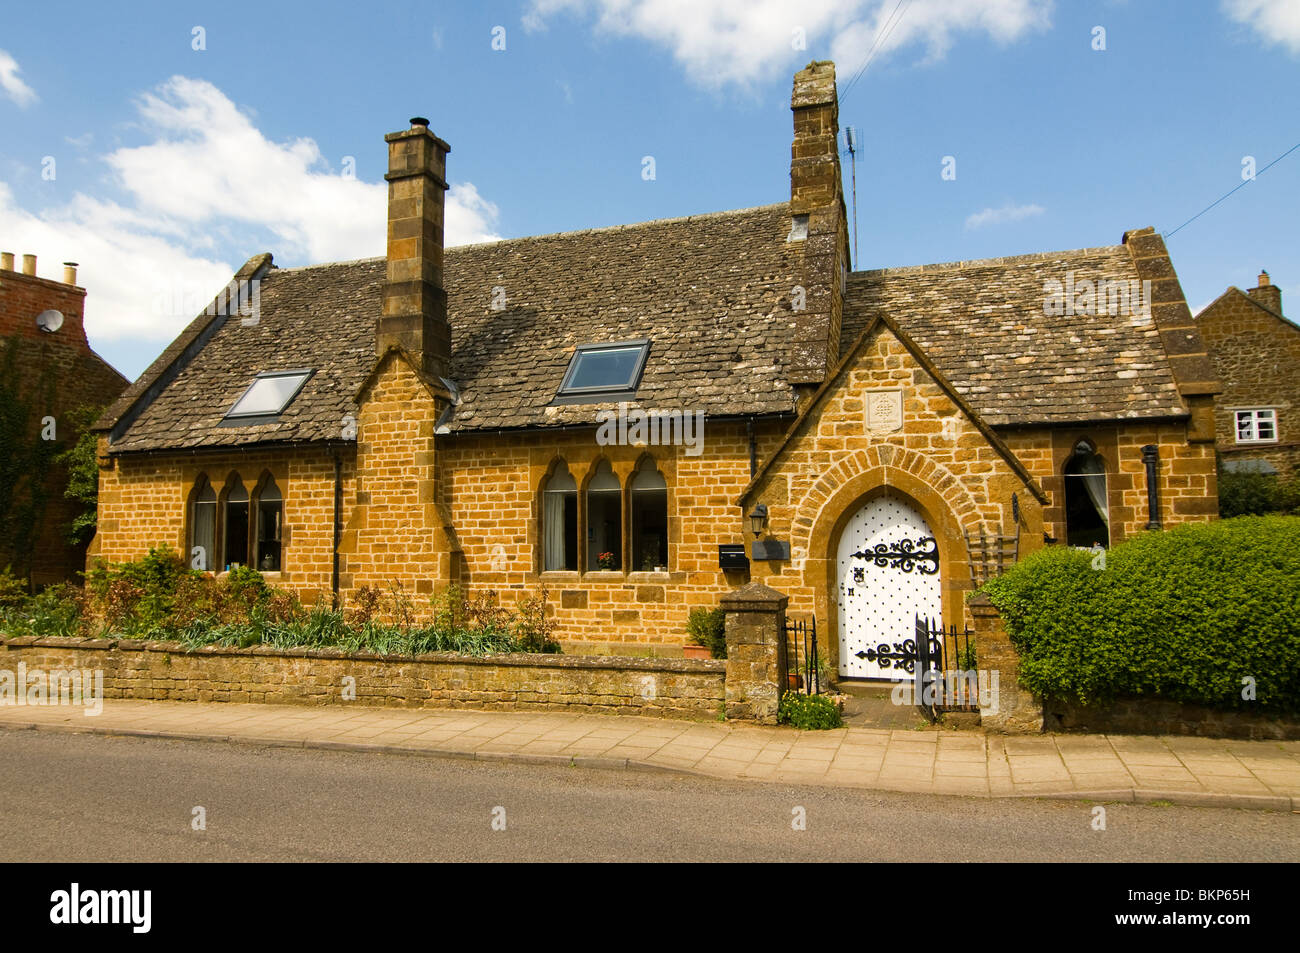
{"x": 50, "y": 320}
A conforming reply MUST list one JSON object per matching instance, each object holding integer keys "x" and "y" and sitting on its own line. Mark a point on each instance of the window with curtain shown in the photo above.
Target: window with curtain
{"x": 1087, "y": 514}
{"x": 203, "y": 525}
{"x": 560, "y": 521}
{"x": 649, "y": 497}
{"x": 270, "y": 516}
{"x": 604, "y": 520}
{"x": 235, "y": 551}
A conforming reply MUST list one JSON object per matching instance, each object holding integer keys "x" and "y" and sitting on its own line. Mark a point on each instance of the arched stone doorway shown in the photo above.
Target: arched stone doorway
{"x": 827, "y": 507}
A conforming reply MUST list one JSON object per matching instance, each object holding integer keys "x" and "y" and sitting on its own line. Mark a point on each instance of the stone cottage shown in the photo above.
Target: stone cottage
{"x": 643, "y": 418}
{"x": 48, "y": 373}
{"x": 1256, "y": 353}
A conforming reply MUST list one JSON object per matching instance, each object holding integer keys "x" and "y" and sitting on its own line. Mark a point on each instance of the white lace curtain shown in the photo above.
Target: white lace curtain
{"x": 1093, "y": 475}
{"x": 560, "y": 487}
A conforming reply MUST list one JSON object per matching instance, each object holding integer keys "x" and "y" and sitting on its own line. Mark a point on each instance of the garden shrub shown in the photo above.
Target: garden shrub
{"x": 707, "y": 627}
{"x": 1194, "y": 614}
{"x": 533, "y": 628}
{"x": 808, "y": 712}
{"x": 13, "y": 591}
{"x": 139, "y": 597}
{"x": 1247, "y": 493}
{"x": 159, "y": 597}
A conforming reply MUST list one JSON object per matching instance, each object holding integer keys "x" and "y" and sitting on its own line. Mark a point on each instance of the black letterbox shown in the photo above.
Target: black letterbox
{"x": 732, "y": 557}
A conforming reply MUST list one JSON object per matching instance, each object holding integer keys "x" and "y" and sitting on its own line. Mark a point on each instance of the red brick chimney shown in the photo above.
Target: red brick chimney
{"x": 414, "y": 313}
{"x": 1267, "y": 294}
{"x": 818, "y": 220}
{"x": 24, "y": 295}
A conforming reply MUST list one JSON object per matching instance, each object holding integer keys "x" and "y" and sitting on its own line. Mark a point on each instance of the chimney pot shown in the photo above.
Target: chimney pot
{"x": 29, "y": 265}
{"x": 1266, "y": 293}
{"x": 419, "y": 121}
{"x": 69, "y": 272}
{"x": 6, "y": 261}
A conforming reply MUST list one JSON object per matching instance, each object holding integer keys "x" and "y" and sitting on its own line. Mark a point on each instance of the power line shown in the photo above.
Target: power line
{"x": 888, "y": 27}
{"x": 1227, "y": 194}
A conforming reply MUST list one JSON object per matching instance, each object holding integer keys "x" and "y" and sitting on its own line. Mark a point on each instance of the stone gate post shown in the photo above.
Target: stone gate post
{"x": 1015, "y": 710}
{"x": 756, "y": 663}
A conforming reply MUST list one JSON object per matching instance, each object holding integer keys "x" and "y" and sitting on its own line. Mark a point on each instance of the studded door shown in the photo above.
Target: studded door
{"x": 888, "y": 572}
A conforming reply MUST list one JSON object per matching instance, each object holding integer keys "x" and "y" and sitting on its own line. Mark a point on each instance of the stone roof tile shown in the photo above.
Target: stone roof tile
{"x": 984, "y": 325}
{"x": 710, "y": 292}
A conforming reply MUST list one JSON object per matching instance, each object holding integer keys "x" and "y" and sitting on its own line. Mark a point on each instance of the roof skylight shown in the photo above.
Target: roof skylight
{"x": 269, "y": 394}
{"x": 605, "y": 368}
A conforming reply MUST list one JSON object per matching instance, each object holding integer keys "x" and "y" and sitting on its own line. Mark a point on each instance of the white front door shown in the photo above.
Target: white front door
{"x": 888, "y": 574}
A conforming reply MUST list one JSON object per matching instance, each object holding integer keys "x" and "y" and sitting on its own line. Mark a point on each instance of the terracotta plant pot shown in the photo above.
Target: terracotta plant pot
{"x": 696, "y": 651}
{"x": 793, "y": 681}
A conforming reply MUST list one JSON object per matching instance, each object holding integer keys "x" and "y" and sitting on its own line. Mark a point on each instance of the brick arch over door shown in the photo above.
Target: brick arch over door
{"x": 841, "y": 491}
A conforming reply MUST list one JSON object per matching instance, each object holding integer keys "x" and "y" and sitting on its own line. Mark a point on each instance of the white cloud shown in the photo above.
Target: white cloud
{"x": 138, "y": 278}
{"x": 1276, "y": 21}
{"x": 1003, "y": 215}
{"x": 14, "y": 87}
{"x": 208, "y": 179}
{"x": 933, "y": 24}
{"x": 743, "y": 41}
{"x": 211, "y": 163}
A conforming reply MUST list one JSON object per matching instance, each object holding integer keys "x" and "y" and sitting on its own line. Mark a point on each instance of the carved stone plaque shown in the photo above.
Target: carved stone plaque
{"x": 884, "y": 411}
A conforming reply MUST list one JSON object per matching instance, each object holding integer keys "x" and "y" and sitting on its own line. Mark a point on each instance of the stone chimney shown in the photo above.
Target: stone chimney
{"x": 414, "y": 314}
{"x": 1267, "y": 293}
{"x": 818, "y": 221}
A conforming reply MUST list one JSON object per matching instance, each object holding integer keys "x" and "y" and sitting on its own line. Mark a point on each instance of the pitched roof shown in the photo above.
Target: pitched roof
{"x": 710, "y": 292}
{"x": 1211, "y": 309}
{"x": 846, "y": 359}
{"x": 983, "y": 325}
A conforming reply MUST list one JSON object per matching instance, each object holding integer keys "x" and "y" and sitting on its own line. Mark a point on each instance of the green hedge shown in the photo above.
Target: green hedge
{"x": 1186, "y": 615}
{"x": 1255, "y": 494}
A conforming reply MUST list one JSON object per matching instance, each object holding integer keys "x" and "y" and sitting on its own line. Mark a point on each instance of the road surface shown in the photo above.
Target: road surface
{"x": 78, "y": 798}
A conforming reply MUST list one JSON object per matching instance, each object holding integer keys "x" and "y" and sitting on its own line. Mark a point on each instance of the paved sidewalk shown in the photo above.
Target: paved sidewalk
{"x": 1200, "y": 771}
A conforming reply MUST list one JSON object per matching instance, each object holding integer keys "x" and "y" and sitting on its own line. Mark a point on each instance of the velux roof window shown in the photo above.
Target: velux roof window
{"x": 269, "y": 394}
{"x": 605, "y": 370}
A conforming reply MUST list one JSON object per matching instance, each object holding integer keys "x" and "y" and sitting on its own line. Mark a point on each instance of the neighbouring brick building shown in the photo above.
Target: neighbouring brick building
{"x": 882, "y": 438}
{"x": 1256, "y": 353}
{"x": 47, "y": 372}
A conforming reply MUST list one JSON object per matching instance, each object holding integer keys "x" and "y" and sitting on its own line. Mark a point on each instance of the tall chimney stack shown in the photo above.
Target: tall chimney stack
{"x": 29, "y": 265}
{"x": 1267, "y": 294}
{"x": 818, "y": 220}
{"x": 414, "y": 314}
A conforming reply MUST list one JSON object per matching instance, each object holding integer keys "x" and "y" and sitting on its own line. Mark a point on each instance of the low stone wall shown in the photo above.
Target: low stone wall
{"x": 1156, "y": 716}
{"x": 674, "y": 688}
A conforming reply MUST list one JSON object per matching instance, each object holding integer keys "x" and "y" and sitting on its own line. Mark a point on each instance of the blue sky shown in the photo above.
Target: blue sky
{"x": 172, "y": 165}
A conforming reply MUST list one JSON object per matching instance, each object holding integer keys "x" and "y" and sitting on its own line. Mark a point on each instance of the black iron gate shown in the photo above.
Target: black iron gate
{"x": 802, "y": 660}
{"x": 947, "y": 677}
{"x": 941, "y": 663}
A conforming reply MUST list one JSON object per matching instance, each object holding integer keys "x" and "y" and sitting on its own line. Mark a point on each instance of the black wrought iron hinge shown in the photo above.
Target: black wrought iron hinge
{"x": 921, "y": 555}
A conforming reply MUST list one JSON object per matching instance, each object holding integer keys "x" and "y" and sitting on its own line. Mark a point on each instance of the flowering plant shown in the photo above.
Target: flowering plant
{"x": 606, "y": 561}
